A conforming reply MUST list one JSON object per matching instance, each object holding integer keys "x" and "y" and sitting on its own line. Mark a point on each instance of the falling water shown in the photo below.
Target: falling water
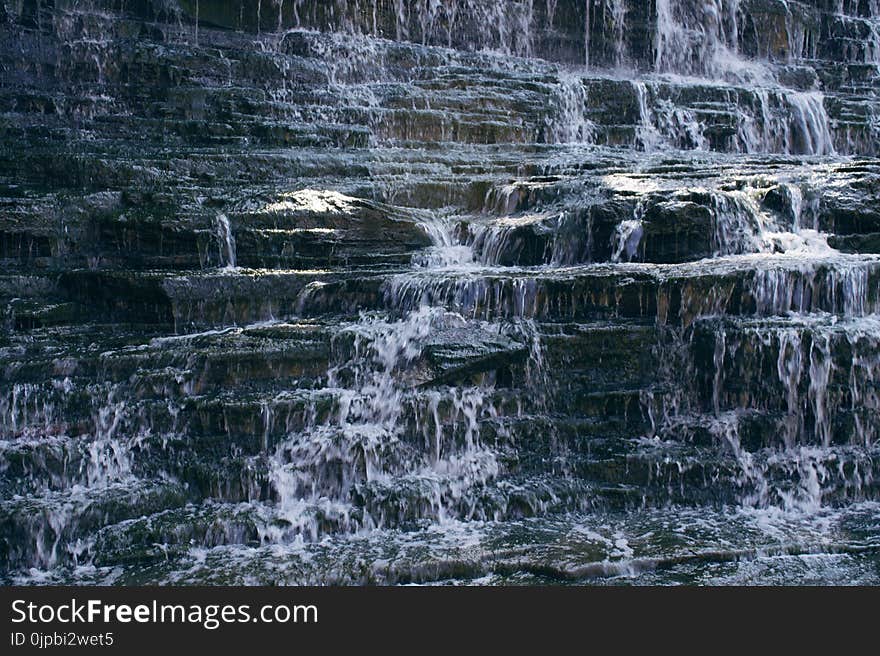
{"x": 535, "y": 292}
{"x": 226, "y": 241}
{"x": 571, "y": 124}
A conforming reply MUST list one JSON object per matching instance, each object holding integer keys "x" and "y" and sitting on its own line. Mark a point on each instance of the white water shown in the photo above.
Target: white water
{"x": 226, "y": 241}
{"x": 570, "y": 123}
{"x": 626, "y": 240}
{"x": 784, "y": 121}
{"x": 368, "y": 445}
{"x": 701, "y": 39}
{"x": 694, "y": 45}
{"x": 618, "y": 11}
{"x": 805, "y": 355}
{"x": 367, "y": 448}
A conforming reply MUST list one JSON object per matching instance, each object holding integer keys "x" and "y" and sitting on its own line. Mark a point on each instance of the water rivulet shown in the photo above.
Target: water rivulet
{"x": 440, "y": 291}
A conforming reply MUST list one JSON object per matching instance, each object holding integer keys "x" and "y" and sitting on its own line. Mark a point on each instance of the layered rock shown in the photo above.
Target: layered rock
{"x": 392, "y": 290}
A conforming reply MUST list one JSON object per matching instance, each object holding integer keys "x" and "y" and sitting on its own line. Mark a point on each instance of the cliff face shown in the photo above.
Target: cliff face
{"x": 393, "y": 290}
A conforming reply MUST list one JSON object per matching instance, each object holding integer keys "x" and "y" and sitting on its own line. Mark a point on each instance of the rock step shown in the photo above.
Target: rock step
{"x": 817, "y": 371}
{"x": 45, "y": 463}
{"x": 713, "y": 468}
{"x": 220, "y": 442}
{"x": 519, "y": 177}
{"x": 544, "y": 220}
{"x": 707, "y": 545}
{"x": 301, "y": 350}
{"x": 198, "y": 94}
{"x": 766, "y": 31}
{"x": 673, "y": 473}
{"x": 762, "y": 285}
{"x": 161, "y": 365}
{"x": 54, "y": 527}
{"x": 190, "y": 370}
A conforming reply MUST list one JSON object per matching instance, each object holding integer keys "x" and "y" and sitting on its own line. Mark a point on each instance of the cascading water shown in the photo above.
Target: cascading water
{"x": 226, "y": 242}
{"x": 571, "y": 125}
{"x": 424, "y": 291}
{"x": 697, "y": 38}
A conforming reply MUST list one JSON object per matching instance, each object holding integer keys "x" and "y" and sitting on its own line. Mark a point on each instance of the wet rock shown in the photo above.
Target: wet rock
{"x": 292, "y": 282}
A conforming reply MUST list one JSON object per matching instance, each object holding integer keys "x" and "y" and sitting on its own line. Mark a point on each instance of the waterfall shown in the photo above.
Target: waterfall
{"x": 109, "y": 457}
{"x": 587, "y": 6}
{"x": 364, "y": 446}
{"x": 618, "y": 11}
{"x": 440, "y": 291}
{"x": 626, "y": 240}
{"x": 226, "y": 241}
{"x": 698, "y": 39}
{"x": 571, "y": 124}
{"x": 551, "y": 11}
{"x": 648, "y": 135}
{"x": 810, "y": 133}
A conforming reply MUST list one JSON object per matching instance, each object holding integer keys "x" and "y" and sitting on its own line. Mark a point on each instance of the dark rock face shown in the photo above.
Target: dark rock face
{"x": 400, "y": 291}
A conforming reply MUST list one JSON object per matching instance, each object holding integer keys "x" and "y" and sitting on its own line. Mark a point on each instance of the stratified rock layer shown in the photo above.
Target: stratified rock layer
{"x": 406, "y": 291}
